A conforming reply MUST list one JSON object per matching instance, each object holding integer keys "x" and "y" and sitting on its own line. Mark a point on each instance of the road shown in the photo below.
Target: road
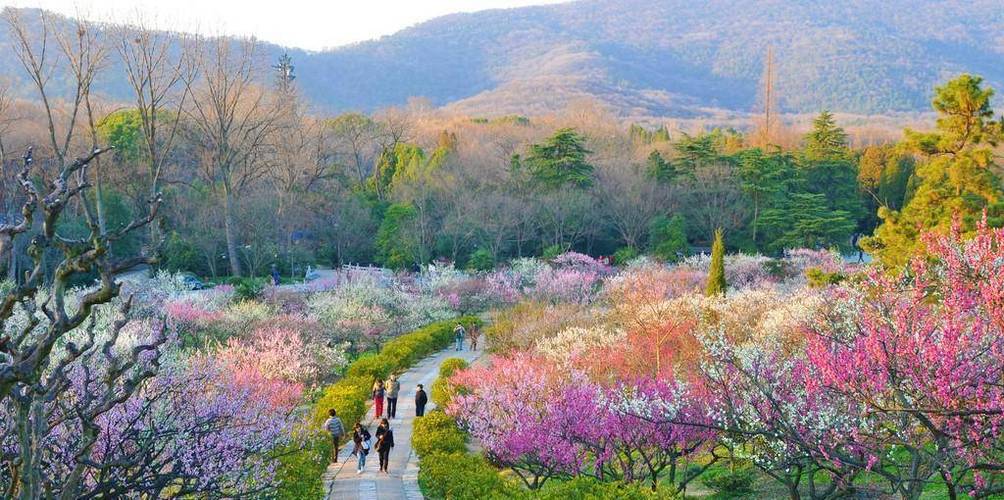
{"x": 341, "y": 480}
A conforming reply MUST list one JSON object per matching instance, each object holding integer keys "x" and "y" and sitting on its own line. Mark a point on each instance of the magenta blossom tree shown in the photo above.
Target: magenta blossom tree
{"x": 544, "y": 422}
{"x": 923, "y": 367}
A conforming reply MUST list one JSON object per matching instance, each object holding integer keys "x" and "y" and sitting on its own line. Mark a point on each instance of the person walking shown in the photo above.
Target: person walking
{"x": 361, "y": 437}
{"x": 458, "y": 334}
{"x": 378, "y": 394}
{"x": 275, "y": 275}
{"x": 385, "y": 441}
{"x": 472, "y": 337}
{"x": 393, "y": 389}
{"x": 420, "y": 400}
{"x": 334, "y": 426}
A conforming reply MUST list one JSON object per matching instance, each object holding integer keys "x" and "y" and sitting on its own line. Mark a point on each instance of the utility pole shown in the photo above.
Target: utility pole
{"x": 767, "y": 126}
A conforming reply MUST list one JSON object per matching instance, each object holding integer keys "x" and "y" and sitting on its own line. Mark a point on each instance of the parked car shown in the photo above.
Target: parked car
{"x": 192, "y": 282}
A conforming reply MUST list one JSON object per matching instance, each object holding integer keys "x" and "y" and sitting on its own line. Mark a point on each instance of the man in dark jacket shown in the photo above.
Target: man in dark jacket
{"x": 275, "y": 276}
{"x": 420, "y": 400}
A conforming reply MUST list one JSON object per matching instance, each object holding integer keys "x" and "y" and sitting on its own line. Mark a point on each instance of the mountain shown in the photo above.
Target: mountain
{"x": 667, "y": 57}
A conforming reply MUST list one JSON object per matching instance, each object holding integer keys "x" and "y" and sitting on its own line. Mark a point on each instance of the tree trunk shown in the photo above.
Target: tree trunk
{"x": 228, "y": 225}
{"x": 793, "y": 493}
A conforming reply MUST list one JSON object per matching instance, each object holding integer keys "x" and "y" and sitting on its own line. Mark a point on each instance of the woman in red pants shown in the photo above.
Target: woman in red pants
{"x": 378, "y": 394}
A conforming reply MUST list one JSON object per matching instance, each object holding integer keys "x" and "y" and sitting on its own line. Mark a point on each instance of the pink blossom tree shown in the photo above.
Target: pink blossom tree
{"x": 924, "y": 365}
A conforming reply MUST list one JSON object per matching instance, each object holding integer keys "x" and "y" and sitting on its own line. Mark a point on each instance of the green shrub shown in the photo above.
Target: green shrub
{"x": 371, "y": 366}
{"x": 348, "y": 397}
{"x": 777, "y": 268}
{"x": 728, "y": 483}
{"x": 437, "y": 432}
{"x": 450, "y": 366}
{"x": 406, "y": 350}
{"x": 301, "y": 466}
{"x": 667, "y": 238}
{"x": 818, "y": 278}
{"x": 442, "y": 391}
{"x": 589, "y": 488}
{"x": 624, "y": 255}
{"x": 551, "y": 251}
{"x": 247, "y": 288}
{"x": 481, "y": 260}
{"x": 460, "y": 476}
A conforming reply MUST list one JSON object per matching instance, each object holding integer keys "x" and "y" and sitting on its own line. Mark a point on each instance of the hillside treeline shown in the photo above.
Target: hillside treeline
{"x": 253, "y": 178}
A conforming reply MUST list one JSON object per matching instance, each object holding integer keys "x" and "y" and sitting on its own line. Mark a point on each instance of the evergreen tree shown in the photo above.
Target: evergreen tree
{"x": 284, "y": 73}
{"x": 642, "y": 135}
{"x": 657, "y": 168}
{"x": 956, "y": 178}
{"x": 667, "y": 238}
{"x": 766, "y": 178}
{"x": 828, "y": 168}
{"x": 716, "y": 273}
{"x": 397, "y": 247}
{"x": 884, "y": 174}
{"x": 692, "y": 152}
{"x": 826, "y": 140}
{"x": 805, "y": 220}
{"x": 561, "y": 161}
{"x": 404, "y": 160}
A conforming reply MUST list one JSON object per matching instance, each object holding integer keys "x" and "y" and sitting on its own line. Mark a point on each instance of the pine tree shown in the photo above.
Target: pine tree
{"x": 804, "y": 220}
{"x": 716, "y": 273}
{"x": 561, "y": 161}
{"x": 284, "y": 73}
{"x": 657, "y": 168}
{"x": 828, "y": 169}
{"x": 956, "y": 179}
{"x": 826, "y": 140}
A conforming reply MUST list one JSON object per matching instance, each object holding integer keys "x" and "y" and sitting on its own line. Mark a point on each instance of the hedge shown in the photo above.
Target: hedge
{"x": 445, "y": 469}
{"x": 451, "y": 366}
{"x": 406, "y": 350}
{"x": 301, "y": 465}
{"x": 590, "y": 488}
{"x": 443, "y": 391}
{"x": 461, "y": 476}
{"x": 437, "y": 432}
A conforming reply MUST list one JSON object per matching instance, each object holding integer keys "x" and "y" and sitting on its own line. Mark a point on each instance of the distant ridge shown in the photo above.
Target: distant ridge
{"x": 674, "y": 58}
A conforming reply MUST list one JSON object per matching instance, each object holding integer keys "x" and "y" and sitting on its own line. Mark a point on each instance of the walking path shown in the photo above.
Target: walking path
{"x": 341, "y": 481}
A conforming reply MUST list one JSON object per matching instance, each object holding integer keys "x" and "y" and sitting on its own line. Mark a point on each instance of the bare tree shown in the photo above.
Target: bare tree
{"x": 396, "y": 125}
{"x": 630, "y": 200}
{"x": 31, "y": 377}
{"x": 234, "y": 118}
{"x": 9, "y": 190}
{"x": 714, "y": 199}
{"x": 156, "y": 71}
{"x": 81, "y": 52}
{"x": 355, "y": 141}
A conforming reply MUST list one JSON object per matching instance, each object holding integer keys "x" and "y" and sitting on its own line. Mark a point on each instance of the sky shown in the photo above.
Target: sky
{"x": 306, "y": 24}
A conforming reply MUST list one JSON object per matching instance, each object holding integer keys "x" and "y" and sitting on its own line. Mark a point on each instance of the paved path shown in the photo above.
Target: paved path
{"x": 341, "y": 480}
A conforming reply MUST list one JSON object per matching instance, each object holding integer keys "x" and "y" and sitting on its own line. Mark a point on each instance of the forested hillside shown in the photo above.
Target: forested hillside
{"x": 663, "y": 57}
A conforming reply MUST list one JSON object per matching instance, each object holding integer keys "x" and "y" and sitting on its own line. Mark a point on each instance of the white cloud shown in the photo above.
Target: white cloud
{"x": 310, "y": 24}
